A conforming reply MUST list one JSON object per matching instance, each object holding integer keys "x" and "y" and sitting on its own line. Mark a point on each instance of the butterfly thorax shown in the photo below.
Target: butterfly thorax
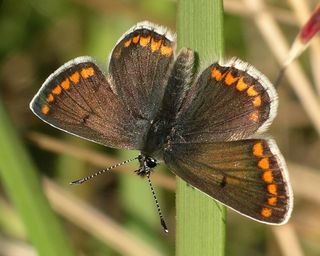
{"x": 157, "y": 136}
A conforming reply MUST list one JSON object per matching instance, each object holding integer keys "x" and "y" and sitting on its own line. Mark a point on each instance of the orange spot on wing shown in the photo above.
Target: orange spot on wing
{"x": 264, "y": 163}
{"x": 257, "y": 101}
{"x": 45, "y": 109}
{"x": 87, "y": 72}
{"x": 155, "y": 45}
{"x": 254, "y": 116}
{"x": 272, "y": 189}
{"x": 75, "y": 77}
{"x": 216, "y": 74}
{"x": 144, "y": 40}
{"x": 136, "y": 39}
{"x": 272, "y": 201}
{"x": 127, "y": 43}
{"x": 65, "y": 84}
{"x": 50, "y": 97}
{"x": 57, "y": 90}
{"x": 267, "y": 176}
{"x": 258, "y": 149}
{"x": 251, "y": 91}
{"x": 166, "y": 50}
{"x": 241, "y": 85}
{"x": 230, "y": 79}
{"x": 266, "y": 212}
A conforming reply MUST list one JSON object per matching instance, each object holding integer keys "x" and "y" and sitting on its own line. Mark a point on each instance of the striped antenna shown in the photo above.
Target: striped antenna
{"x": 85, "y": 179}
{"x": 162, "y": 222}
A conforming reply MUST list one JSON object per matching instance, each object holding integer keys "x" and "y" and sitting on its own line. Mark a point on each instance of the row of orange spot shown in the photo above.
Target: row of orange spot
{"x": 154, "y": 45}
{"x": 65, "y": 85}
{"x": 267, "y": 177}
{"x": 229, "y": 79}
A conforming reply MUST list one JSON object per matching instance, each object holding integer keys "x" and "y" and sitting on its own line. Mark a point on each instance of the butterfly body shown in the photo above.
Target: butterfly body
{"x": 163, "y": 128}
{"x": 205, "y": 127}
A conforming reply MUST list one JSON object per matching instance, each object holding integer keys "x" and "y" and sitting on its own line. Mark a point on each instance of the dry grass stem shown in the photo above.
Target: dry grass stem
{"x": 305, "y": 182}
{"x": 96, "y": 158}
{"x": 275, "y": 39}
{"x": 304, "y": 185}
{"x": 236, "y": 7}
{"x": 95, "y": 222}
{"x": 288, "y": 241}
{"x": 303, "y": 13}
{"x": 14, "y": 248}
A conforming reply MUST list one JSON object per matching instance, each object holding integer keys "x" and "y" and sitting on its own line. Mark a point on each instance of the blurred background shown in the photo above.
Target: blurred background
{"x": 115, "y": 214}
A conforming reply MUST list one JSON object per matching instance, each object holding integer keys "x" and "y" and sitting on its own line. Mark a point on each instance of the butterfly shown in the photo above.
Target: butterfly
{"x": 205, "y": 127}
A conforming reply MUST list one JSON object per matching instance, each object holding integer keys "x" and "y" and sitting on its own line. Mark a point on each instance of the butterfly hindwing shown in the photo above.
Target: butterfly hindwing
{"x": 249, "y": 176}
{"x": 227, "y": 102}
{"x": 78, "y": 99}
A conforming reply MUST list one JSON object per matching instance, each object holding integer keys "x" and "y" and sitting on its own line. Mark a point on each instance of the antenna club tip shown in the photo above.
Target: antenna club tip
{"x": 164, "y": 225}
{"x": 75, "y": 182}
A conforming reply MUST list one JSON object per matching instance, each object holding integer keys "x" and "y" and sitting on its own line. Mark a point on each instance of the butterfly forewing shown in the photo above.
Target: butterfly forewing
{"x": 248, "y": 176}
{"x": 78, "y": 99}
{"x": 226, "y": 103}
{"x": 117, "y": 110}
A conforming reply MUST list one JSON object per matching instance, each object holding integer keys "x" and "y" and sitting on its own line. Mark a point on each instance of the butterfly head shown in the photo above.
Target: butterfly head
{"x": 147, "y": 163}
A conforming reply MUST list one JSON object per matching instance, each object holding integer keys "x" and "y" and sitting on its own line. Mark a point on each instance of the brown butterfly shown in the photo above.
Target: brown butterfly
{"x": 206, "y": 127}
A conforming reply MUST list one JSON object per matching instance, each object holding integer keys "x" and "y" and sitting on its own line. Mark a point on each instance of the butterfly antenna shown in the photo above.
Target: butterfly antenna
{"x": 80, "y": 181}
{"x": 163, "y": 223}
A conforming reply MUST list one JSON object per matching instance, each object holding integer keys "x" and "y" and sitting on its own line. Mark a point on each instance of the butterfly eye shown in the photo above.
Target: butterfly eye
{"x": 151, "y": 162}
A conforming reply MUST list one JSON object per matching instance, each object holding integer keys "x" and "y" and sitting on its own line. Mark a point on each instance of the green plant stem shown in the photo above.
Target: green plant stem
{"x": 200, "y": 219}
{"x": 22, "y": 185}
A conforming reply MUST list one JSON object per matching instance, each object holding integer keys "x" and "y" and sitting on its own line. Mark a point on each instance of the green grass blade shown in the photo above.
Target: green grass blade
{"x": 200, "y": 219}
{"x": 22, "y": 185}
